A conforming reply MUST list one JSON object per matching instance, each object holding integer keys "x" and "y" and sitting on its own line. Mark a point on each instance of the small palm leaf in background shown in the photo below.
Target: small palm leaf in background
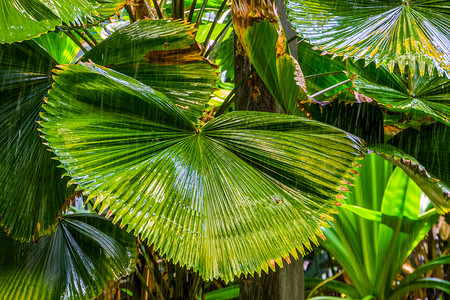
{"x": 31, "y": 190}
{"x": 386, "y": 32}
{"x": 421, "y": 95}
{"x": 208, "y": 197}
{"x": 75, "y": 262}
{"x": 62, "y": 48}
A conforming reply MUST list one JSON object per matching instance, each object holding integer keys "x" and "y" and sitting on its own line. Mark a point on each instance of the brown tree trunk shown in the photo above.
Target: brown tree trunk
{"x": 251, "y": 94}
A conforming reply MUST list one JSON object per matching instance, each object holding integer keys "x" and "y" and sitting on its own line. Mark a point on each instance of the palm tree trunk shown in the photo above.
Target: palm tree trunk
{"x": 251, "y": 94}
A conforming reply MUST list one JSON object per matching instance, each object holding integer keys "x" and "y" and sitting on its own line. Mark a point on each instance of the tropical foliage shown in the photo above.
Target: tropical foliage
{"x": 378, "y": 226}
{"x": 144, "y": 124}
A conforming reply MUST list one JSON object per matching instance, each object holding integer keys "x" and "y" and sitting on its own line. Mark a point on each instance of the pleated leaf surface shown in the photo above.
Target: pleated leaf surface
{"x": 25, "y": 19}
{"x": 163, "y": 55}
{"x": 32, "y": 191}
{"x": 226, "y": 199}
{"x": 75, "y": 262}
{"x": 387, "y": 32}
{"x": 427, "y": 95}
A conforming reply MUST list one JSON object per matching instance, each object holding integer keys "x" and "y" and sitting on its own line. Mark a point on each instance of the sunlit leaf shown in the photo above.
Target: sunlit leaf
{"x": 75, "y": 262}
{"x": 427, "y": 95}
{"x": 107, "y": 8}
{"x": 163, "y": 55}
{"x": 25, "y": 19}
{"x": 31, "y": 189}
{"x": 205, "y": 198}
{"x": 264, "y": 42}
{"x": 387, "y": 32}
{"x": 436, "y": 190}
{"x": 59, "y": 46}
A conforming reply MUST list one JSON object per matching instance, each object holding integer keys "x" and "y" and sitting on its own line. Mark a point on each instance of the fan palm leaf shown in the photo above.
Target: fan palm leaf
{"x": 206, "y": 197}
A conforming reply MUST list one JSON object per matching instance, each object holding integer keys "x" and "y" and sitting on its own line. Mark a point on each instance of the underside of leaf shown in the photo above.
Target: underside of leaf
{"x": 386, "y": 32}
{"x": 415, "y": 94}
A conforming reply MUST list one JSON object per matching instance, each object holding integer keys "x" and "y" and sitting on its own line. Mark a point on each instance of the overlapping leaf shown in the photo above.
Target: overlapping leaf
{"x": 431, "y": 148}
{"x": 418, "y": 94}
{"x": 436, "y": 190}
{"x": 264, "y": 42}
{"x": 163, "y": 55}
{"x": 75, "y": 262}
{"x": 25, "y": 19}
{"x": 387, "y": 32}
{"x": 207, "y": 198}
{"x": 314, "y": 64}
{"x": 31, "y": 189}
{"x": 107, "y": 8}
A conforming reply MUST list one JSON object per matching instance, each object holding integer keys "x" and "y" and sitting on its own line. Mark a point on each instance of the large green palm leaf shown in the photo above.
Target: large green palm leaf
{"x": 163, "y": 55}
{"x": 75, "y": 262}
{"x": 225, "y": 199}
{"x": 31, "y": 189}
{"x": 387, "y": 32}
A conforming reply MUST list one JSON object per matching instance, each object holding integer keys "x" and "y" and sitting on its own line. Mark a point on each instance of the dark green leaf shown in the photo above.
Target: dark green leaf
{"x": 205, "y": 197}
{"x": 31, "y": 189}
{"x": 333, "y": 285}
{"x": 430, "y": 265}
{"x": 361, "y": 119}
{"x": 164, "y": 56}
{"x": 225, "y": 57}
{"x": 314, "y": 63}
{"x": 423, "y": 283}
{"x": 25, "y": 19}
{"x": 418, "y": 94}
{"x": 387, "y": 32}
{"x": 430, "y": 145}
{"x": 75, "y": 262}
{"x": 226, "y": 293}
